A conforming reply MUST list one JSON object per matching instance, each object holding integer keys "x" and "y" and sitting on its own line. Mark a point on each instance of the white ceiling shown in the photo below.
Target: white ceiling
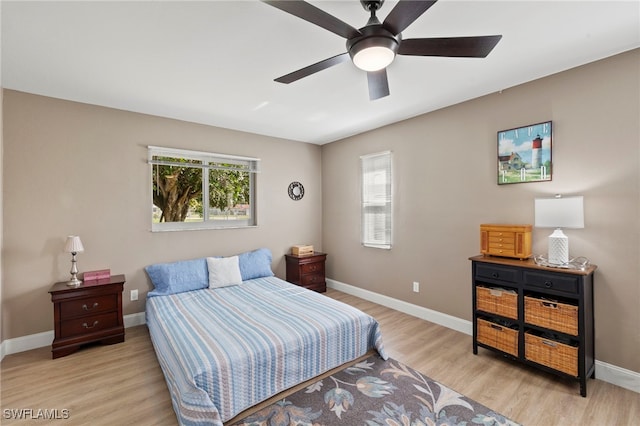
{"x": 213, "y": 62}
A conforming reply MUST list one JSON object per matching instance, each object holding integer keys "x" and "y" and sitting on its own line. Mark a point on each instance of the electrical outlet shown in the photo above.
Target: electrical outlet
{"x": 134, "y": 295}
{"x": 416, "y": 287}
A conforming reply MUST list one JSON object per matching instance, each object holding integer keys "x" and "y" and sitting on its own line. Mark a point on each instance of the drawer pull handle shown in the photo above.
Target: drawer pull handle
{"x": 550, "y": 305}
{"x": 85, "y": 325}
{"x": 86, "y": 308}
{"x": 548, "y": 343}
{"x": 495, "y": 275}
{"x": 548, "y": 284}
{"x": 497, "y": 327}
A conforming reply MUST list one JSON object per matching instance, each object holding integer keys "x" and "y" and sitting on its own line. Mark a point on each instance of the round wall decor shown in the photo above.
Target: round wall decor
{"x": 296, "y": 191}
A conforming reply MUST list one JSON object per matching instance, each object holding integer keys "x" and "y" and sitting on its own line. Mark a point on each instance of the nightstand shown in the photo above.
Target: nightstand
{"x": 307, "y": 271}
{"x": 91, "y": 312}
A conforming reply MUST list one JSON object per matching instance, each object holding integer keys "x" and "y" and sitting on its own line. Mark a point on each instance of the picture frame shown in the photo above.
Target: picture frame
{"x": 525, "y": 154}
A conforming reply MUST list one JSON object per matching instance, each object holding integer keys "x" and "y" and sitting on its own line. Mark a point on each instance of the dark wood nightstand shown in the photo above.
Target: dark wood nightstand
{"x": 91, "y": 312}
{"x": 307, "y": 271}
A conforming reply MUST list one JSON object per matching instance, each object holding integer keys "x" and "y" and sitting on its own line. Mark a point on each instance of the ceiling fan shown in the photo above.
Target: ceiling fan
{"x": 373, "y": 47}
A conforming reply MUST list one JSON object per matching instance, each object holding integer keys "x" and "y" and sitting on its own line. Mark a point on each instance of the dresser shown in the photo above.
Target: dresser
{"x": 537, "y": 315}
{"x": 307, "y": 271}
{"x": 91, "y": 312}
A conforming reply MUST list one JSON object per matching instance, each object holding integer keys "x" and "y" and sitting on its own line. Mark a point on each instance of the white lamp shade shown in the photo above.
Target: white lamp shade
{"x": 373, "y": 58}
{"x": 559, "y": 212}
{"x": 73, "y": 244}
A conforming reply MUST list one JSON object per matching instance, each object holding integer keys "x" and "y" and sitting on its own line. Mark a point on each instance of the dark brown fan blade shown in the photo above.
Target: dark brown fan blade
{"x": 461, "y": 47}
{"x": 312, "y": 69}
{"x": 378, "y": 84}
{"x": 404, "y": 14}
{"x": 316, "y": 16}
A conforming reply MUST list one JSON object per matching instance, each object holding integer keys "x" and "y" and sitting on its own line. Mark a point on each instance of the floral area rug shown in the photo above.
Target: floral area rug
{"x": 375, "y": 392}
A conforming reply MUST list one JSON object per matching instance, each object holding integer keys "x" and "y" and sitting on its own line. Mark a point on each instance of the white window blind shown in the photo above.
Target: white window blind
{"x": 377, "y": 199}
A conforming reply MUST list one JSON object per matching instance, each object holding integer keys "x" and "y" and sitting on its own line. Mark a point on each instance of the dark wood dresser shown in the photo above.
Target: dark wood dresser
{"x": 541, "y": 316}
{"x": 307, "y": 271}
{"x": 91, "y": 312}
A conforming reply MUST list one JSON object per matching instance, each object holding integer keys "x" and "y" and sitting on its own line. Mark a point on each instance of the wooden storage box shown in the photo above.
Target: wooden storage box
{"x": 497, "y": 301}
{"x": 498, "y": 336}
{"x": 551, "y": 314}
{"x": 506, "y": 240}
{"x": 302, "y": 250}
{"x": 551, "y": 353}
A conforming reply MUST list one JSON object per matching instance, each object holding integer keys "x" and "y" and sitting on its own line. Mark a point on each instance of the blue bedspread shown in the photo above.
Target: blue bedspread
{"x": 227, "y": 349}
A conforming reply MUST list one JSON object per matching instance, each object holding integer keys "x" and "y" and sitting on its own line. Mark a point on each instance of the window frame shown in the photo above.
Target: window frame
{"x": 206, "y": 158}
{"x": 367, "y": 163}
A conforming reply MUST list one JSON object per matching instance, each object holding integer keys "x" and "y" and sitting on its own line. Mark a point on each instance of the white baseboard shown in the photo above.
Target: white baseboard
{"x": 39, "y": 340}
{"x": 606, "y": 372}
{"x": 430, "y": 315}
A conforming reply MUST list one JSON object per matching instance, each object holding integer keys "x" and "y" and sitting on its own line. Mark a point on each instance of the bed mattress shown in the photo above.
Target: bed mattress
{"x": 224, "y": 350}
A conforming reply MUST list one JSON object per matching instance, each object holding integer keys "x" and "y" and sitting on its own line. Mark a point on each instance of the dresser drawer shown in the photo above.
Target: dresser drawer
{"x": 312, "y": 268}
{"x": 88, "y": 306}
{"x": 484, "y": 270}
{"x": 551, "y": 282}
{"x": 89, "y": 324}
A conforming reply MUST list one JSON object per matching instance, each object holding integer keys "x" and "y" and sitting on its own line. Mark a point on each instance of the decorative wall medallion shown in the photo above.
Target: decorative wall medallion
{"x": 296, "y": 191}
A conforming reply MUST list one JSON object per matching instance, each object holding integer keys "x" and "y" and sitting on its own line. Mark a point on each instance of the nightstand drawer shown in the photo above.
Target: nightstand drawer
{"x": 551, "y": 282}
{"x": 88, "y": 306}
{"x": 90, "y": 324}
{"x": 312, "y": 268}
{"x": 310, "y": 280}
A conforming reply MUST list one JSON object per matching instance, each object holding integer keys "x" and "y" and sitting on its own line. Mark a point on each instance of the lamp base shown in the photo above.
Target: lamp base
{"x": 74, "y": 282}
{"x": 558, "y": 248}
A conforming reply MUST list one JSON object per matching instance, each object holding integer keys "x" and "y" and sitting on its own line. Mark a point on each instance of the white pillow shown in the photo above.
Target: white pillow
{"x": 223, "y": 271}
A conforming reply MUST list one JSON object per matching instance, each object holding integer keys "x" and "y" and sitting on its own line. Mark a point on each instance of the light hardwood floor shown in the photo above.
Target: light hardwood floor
{"x": 123, "y": 384}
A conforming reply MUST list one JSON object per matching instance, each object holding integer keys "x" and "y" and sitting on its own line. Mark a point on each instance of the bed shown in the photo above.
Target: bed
{"x": 226, "y": 348}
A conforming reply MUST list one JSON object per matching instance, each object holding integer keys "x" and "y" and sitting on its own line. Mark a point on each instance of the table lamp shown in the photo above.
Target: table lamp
{"x": 559, "y": 213}
{"x": 73, "y": 246}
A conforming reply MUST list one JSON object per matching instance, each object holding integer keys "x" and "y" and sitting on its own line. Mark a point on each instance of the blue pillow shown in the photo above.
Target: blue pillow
{"x": 178, "y": 277}
{"x": 255, "y": 264}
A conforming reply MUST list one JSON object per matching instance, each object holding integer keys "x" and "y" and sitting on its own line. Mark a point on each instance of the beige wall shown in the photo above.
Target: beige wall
{"x": 445, "y": 187}
{"x": 72, "y": 168}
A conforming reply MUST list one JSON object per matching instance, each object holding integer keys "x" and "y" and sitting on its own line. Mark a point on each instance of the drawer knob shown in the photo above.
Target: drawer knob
{"x": 86, "y": 308}
{"x": 548, "y": 284}
{"x": 85, "y": 325}
{"x": 495, "y": 275}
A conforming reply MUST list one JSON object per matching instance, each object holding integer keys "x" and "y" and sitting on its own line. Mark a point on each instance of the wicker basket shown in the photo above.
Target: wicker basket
{"x": 552, "y": 315}
{"x": 497, "y": 301}
{"x": 551, "y": 353}
{"x": 497, "y": 336}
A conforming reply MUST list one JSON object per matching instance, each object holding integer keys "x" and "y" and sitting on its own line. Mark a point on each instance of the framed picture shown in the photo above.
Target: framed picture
{"x": 524, "y": 154}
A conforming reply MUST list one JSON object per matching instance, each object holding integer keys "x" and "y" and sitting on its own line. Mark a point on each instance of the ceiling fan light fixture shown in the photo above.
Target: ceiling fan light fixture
{"x": 373, "y": 53}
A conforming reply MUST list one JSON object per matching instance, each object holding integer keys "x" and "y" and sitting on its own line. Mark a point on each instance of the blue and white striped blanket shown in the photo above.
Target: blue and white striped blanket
{"x": 224, "y": 350}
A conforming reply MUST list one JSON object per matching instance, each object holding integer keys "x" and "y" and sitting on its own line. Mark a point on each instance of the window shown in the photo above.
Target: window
{"x": 376, "y": 200}
{"x": 196, "y": 190}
